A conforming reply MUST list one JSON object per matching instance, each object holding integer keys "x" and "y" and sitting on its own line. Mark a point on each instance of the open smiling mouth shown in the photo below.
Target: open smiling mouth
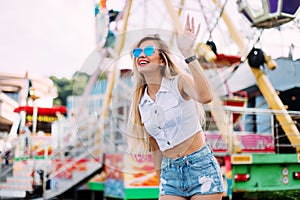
{"x": 143, "y": 63}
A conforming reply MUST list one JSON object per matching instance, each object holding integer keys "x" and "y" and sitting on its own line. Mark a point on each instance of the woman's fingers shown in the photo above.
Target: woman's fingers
{"x": 187, "y": 23}
{"x": 190, "y": 25}
{"x": 193, "y": 25}
{"x": 186, "y": 40}
{"x": 198, "y": 30}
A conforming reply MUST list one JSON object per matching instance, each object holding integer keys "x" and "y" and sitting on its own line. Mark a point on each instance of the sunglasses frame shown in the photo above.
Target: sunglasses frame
{"x": 148, "y": 51}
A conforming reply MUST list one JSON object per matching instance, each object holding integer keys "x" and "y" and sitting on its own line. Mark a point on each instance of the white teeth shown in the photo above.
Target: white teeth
{"x": 143, "y": 62}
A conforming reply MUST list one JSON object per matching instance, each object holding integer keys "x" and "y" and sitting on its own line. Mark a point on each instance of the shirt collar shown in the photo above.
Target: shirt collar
{"x": 165, "y": 87}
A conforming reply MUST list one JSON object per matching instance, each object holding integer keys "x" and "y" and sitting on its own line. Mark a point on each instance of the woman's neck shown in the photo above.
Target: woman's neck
{"x": 153, "y": 85}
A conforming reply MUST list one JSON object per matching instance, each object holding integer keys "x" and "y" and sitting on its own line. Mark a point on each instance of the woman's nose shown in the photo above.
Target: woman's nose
{"x": 142, "y": 54}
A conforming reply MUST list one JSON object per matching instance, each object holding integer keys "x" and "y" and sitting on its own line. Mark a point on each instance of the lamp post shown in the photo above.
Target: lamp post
{"x": 35, "y": 109}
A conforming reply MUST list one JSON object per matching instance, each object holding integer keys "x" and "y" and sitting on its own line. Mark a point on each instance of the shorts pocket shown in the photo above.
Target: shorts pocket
{"x": 203, "y": 164}
{"x": 169, "y": 173}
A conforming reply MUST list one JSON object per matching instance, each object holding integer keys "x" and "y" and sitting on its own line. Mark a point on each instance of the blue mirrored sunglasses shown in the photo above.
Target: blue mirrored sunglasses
{"x": 148, "y": 51}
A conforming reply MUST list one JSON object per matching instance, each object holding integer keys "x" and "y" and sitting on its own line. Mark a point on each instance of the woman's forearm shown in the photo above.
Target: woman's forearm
{"x": 201, "y": 83}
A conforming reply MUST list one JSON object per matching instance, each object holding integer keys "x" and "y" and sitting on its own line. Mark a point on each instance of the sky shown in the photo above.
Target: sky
{"x": 46, "y": 37}
{"x": 56, "y": 37}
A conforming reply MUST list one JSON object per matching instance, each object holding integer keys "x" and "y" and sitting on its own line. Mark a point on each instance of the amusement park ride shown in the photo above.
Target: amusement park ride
{"x": 87, "y": 150}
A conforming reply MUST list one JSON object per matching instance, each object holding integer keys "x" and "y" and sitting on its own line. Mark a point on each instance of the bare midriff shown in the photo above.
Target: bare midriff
{"x": 187, "y": 147}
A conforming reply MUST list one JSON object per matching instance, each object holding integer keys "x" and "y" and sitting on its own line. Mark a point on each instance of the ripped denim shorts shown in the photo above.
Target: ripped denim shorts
{"x": 197, "y": 173}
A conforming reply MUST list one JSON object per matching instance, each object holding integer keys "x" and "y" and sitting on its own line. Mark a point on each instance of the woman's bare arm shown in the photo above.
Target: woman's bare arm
{"x": 196, "y": 87}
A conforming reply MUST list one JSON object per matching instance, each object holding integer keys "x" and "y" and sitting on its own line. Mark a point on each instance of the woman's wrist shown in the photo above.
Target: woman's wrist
{"x": 187, "y": 53}
{"x": 190, "y": 59}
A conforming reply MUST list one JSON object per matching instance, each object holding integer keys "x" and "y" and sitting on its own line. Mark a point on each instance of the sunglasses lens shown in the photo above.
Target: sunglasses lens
{"x": 137, "y": 52}
{"x": 149, "y": 50}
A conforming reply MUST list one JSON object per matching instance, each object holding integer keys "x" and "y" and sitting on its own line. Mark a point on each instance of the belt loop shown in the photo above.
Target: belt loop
{"x": 168, "y": 163}
{"x": 186, "y": 161}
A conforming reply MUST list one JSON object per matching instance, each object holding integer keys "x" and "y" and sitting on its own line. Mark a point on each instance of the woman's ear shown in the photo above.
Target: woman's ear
{"x": 162, "y": 63}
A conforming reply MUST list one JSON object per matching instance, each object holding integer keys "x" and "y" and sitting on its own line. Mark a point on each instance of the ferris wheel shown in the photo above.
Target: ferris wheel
{"x": 225, "y": 42}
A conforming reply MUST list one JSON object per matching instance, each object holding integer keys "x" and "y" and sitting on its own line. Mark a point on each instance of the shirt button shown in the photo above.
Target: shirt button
{"x": 168, "y": 143}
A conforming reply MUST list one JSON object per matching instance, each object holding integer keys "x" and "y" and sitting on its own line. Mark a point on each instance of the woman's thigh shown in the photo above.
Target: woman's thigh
{"x": 171, "y": 197}
{"x": 217, "y": 196}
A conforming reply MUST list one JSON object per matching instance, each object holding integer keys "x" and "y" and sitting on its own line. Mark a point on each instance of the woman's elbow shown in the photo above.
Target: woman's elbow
{"x": 205, "y": 100}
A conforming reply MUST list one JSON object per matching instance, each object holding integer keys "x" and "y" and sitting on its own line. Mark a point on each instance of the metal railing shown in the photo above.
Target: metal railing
{"x": 257, "y": 130}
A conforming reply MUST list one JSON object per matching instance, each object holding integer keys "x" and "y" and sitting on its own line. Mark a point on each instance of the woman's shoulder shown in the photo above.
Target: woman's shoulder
{"x": 183, "y": 80}
{"x": 178, "y": 81}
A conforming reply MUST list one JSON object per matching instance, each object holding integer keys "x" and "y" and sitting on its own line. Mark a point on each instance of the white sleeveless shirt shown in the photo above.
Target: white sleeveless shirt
{"x": 169, "y": 119}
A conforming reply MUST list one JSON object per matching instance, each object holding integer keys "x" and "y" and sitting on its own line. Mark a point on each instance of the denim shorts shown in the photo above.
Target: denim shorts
{"x": 197, "y": 173}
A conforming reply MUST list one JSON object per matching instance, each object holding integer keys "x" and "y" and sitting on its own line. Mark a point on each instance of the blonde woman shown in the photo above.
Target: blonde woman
{"x": 165, "y": 121}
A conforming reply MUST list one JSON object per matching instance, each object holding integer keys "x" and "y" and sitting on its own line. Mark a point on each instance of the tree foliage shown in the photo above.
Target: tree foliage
{"x": 73, "y": 87}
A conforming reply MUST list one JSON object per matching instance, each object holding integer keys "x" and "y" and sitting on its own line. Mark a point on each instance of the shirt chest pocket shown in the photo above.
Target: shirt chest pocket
{"x": 148, "y": 120}
{"x": 173, "y": 111}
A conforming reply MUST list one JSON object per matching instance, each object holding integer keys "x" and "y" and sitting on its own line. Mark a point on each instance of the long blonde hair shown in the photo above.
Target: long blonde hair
{"x": 138, "y": 141}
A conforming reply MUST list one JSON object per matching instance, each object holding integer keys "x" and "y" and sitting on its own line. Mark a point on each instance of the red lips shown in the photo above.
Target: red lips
{"x": 143, "y": 62}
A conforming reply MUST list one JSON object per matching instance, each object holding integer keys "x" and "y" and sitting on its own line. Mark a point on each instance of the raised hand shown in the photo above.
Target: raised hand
{"x": 186, "y": 40}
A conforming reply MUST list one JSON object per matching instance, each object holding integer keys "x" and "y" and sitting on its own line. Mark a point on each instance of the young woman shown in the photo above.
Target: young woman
{"x": 165, "y": 120}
